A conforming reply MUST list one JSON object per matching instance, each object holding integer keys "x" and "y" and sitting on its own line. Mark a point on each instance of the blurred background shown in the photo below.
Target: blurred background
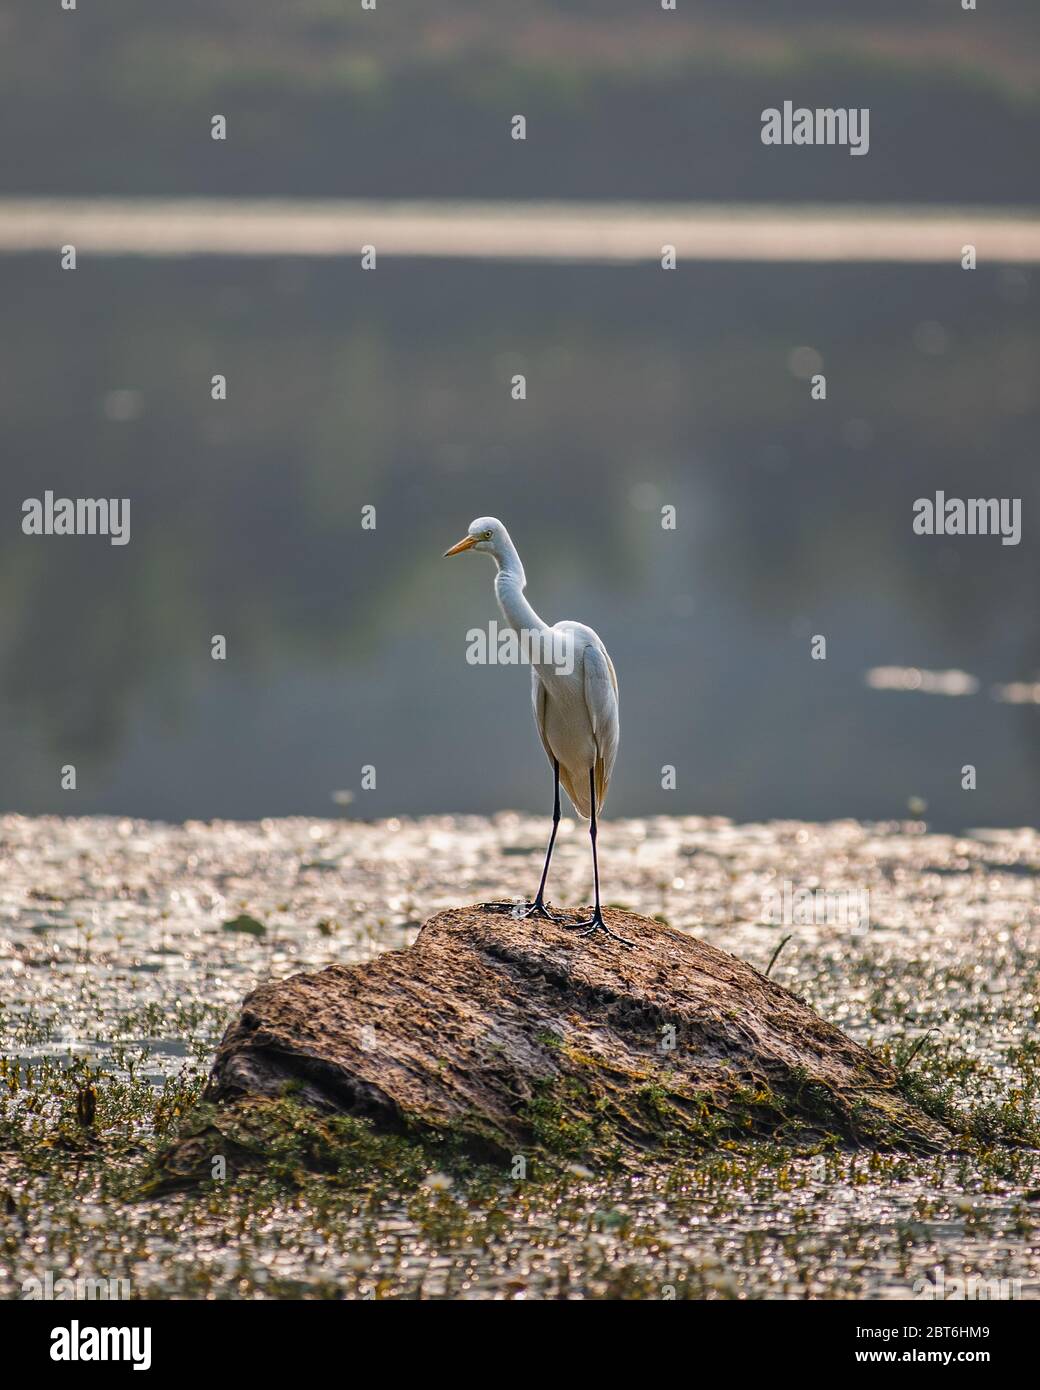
{"x": 691, "y": 388}
{"x": 622, "y": 99}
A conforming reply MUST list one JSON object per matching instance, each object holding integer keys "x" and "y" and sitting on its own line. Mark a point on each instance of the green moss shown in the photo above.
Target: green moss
{"x": 249, "y": 926}
{"x": 285, "y": 1140}
{"x": 556, "y": 1120}
{"x": 938, "y": 1089}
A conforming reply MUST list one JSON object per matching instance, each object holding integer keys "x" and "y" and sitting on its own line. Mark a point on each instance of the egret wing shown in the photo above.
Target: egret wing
{"x": 538, "y": 704}
{"x": 601, "y": 700}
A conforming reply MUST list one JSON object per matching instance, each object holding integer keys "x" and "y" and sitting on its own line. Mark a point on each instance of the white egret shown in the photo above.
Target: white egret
{"x": 575, "y": 702}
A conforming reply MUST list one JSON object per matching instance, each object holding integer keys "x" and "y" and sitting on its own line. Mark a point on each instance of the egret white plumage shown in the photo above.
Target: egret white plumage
{"x": 575, "y": 703}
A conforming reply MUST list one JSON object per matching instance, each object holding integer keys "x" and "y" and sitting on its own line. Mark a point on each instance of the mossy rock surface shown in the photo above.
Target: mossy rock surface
{"x": 512, "y": 1036}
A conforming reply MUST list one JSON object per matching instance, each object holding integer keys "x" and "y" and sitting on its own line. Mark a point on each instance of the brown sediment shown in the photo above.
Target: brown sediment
{"x": 516, "y": 1034}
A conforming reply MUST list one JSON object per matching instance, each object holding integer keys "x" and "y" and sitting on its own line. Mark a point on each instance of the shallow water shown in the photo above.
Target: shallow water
{"x": 113, "y": 948}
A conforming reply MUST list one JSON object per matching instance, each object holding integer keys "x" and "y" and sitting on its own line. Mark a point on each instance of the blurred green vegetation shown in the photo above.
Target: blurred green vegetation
{"x": 622, "y": 99}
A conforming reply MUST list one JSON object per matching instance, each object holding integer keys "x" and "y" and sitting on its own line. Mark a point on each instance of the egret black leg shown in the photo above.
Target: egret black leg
{"x": 539, "y": 903}
{"x": 538, "y": 907}
{"x": 596, "y": 923}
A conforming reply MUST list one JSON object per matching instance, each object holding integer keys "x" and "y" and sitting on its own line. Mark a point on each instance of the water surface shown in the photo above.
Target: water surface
{"x": 346, "y": 648}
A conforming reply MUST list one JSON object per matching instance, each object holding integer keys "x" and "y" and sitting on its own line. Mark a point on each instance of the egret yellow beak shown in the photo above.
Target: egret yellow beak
{"x": 464, "y": 544}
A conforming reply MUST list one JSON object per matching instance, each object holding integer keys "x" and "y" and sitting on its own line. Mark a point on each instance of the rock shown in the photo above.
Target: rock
{"x": 516, "y": 1035}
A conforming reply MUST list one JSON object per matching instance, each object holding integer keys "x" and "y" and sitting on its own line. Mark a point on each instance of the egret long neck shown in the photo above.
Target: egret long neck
{"x": 510, "y": 582}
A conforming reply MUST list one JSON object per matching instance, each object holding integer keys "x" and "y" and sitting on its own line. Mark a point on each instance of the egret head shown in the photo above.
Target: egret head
{"x": 486, "y": 533}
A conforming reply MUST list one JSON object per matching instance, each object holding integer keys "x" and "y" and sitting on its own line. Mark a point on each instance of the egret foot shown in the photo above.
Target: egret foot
{"x": 595, "y": 923}
{"x": 519, "y": 910}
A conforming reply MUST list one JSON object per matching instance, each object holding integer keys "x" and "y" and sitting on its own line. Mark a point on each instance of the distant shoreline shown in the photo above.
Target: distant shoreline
{"x": 614, "y": 232}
